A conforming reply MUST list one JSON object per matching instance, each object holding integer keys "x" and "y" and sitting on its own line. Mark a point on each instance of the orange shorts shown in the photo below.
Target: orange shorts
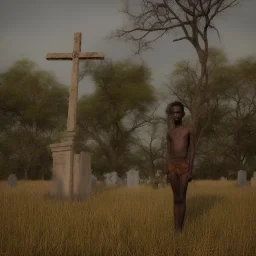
{"x": 178, "y": 166}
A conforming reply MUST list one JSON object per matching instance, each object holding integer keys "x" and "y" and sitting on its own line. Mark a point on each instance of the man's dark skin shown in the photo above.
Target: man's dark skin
{"x": 180, "y": 144}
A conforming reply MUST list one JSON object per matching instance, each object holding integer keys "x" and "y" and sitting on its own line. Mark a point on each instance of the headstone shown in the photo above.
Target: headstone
{"x": 113, "y": 178}
{"x": 223, "y": 178}
{"x": 107, "y": 180}
{"x": 254, "y": 175}
{"x": 12, "y": 180}
{"x": 133, "y": 178}
{"x": 241, "y": 178}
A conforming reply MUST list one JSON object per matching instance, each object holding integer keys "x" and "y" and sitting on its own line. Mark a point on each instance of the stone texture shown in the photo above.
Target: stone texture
{"x": 12, "y": 180}
{"x": 62, "y": 164}
{"x": 107, "y": 180}
{"x": 82, "y": 176}
{"x": 111, "y": 178}
{"x": 241, "y": 178}
{"x": 71, "y": 174}
{"x": 133, "y": 178}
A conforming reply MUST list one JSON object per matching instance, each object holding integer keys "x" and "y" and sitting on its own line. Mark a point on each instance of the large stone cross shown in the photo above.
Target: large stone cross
{"x": 74, "y": 56}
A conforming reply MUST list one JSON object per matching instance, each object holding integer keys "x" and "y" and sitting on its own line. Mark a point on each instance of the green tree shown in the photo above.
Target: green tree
{"x": 123, "y": 102}
{"x": 239, "y": 124}
{"x": 33, "y": 109}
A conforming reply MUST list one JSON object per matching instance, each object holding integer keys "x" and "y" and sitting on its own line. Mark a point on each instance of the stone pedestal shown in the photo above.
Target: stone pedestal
{"x": 71, "y": 177}
{"x": 62, "y": 155}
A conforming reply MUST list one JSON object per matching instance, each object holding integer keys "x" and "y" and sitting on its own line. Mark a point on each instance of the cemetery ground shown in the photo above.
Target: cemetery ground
{"x": 128, "y": 221}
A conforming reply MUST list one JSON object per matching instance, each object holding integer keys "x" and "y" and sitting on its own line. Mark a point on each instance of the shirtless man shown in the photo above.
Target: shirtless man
{"x": 179, "y": 160}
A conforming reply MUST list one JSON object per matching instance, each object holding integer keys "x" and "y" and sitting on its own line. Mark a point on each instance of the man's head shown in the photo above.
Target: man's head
{"x": 175, "y": 110}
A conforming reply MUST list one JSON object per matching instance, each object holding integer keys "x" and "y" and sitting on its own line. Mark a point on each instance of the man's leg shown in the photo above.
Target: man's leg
{"x": 183, "y": 184}
{"x": 173, "y": 179}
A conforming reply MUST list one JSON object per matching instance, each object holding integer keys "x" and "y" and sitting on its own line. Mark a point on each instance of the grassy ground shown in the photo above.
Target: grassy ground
{"x": 221, "y": 220}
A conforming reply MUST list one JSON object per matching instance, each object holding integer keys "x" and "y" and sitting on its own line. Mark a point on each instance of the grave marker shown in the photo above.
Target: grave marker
{"x": 12, "y": 180}
{"x": 241, "y": 178}
{"x": 65, "y": 182}
{"x": 133, "y": 178}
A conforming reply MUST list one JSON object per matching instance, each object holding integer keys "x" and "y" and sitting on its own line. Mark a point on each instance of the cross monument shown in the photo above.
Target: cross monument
{"x": 75, "y": 56}
{"x": 71, "y": 171}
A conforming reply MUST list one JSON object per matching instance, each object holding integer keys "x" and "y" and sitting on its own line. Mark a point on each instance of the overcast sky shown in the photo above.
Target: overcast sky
{"x": 32, "y": 28}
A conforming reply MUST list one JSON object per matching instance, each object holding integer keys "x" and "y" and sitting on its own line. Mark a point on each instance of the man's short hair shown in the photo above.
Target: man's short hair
{"x": 175, "y": 103}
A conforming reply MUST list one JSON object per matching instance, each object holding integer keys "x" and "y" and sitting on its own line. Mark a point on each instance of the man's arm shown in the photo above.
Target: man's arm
{"x": 191, "y": 148}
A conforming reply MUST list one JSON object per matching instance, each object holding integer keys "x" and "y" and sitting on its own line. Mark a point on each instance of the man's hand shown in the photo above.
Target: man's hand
{"x": 190, "y": 176}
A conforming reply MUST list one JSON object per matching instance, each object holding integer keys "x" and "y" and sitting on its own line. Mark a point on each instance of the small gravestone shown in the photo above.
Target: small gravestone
{"x": 223, "y": 178}
{"x": 12, "y": 180}
{"x": 241, "y": 178}
{"x": 107, "y": 180}
{"x": 133, "y": 178}
{"x": 111, "y": 178}
{"x": 254, "y": 175}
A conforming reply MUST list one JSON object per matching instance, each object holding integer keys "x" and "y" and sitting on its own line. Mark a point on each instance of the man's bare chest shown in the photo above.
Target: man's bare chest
{"x": 179, "y": 134}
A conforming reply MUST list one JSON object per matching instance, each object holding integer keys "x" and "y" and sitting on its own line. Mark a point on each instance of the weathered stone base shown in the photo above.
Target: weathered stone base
{"x": 82, "y": 176}
{"x": 66, "y": 179}
{"x": 61, "y": 174}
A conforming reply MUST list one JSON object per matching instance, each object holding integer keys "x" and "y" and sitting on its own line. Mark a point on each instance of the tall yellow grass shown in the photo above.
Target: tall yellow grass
{"x": 221, "y": 220}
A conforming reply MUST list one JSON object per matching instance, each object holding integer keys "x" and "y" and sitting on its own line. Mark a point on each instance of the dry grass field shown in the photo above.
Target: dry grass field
{"x": 220, "y": 220}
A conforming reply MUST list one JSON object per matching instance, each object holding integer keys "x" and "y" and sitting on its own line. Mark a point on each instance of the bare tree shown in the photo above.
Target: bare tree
{"x": 151, "y": 147}
{"x": 193, "y": 18}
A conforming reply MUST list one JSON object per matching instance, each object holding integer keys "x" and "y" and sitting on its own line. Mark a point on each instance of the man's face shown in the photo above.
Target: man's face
{"x": 176, "y": 113}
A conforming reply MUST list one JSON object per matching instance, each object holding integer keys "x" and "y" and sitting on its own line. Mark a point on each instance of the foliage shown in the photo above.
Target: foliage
{"x": 121, "y": 104}
{"x": 33, "y": 108}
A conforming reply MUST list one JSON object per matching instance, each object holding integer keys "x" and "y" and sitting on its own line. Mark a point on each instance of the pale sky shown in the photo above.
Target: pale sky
{"x": 32, "y": 28}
